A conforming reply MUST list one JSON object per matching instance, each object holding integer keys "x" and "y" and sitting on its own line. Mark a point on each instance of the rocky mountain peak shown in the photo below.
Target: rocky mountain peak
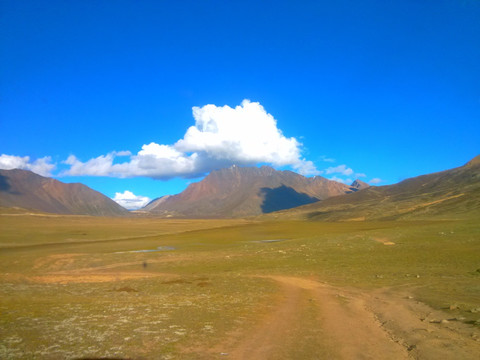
{"x": 359, "y": 184}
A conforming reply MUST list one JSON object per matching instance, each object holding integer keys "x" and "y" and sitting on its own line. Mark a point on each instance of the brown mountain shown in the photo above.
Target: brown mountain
{"x": 359, "y": 185}
{"x": 449, "y": 194}
{"x": 154, "y": 203}
{"x": 246, "y": 191}
{"x": 25, "y": 189}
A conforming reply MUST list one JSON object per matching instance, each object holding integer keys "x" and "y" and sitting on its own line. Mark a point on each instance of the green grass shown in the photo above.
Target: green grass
{"x": 204, "y": 286}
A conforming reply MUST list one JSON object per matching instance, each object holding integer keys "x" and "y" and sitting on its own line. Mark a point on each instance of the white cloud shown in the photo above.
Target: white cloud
{"x": 375, "y": 181}
{"x": 122, "y": 153}
{"x": 221, "y": 136}
{"x": 42, "y": 166}
{"x": 343, "y": 181}
{"x": 306, "y": 167}
{"x": 343, "y": 170}
{"x": 157, "y": 161}
{"x": 99, "y": 166}
{"x": 246, "y": 133}
{"x": 326, "y": 159}
{"x": 340, "y": 169}
{"x": 130, "y": 201}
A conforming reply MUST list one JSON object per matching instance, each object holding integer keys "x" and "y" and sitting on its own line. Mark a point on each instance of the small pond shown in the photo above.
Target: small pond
{"x": 159, "y": 248}
{"x": 268, "y": 241}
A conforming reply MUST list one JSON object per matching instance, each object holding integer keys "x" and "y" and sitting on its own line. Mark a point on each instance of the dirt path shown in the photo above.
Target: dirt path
{"x": 311, "y": 320}
{"x": 308, "y": 319}
{"x": 263, "y": 342}
{"x": 427, "y": 333}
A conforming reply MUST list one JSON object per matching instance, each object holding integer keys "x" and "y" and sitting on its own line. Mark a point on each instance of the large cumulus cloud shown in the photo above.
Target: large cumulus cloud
{"x": 221, "y": 136}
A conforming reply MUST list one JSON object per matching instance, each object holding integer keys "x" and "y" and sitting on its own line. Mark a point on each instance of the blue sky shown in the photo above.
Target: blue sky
{"x": 103, "y": 92}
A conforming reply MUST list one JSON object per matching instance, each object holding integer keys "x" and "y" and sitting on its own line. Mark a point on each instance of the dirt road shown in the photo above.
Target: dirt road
{"x": 311, "y": 320}
{"x": 308, "y": 319}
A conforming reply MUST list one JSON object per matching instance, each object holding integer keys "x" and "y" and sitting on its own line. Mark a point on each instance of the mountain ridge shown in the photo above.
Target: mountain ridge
{"x": 246, "y": 191}
{"x": 359, "y": 184}
{"x": 25, "y": 189}
{"x": 453, "y": 193}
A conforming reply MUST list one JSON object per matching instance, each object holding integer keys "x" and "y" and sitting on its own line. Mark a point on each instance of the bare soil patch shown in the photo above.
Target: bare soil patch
{"x": 350, "y": 324}
{"x": 384, "y": 241}
{"x": 72, "y": 278}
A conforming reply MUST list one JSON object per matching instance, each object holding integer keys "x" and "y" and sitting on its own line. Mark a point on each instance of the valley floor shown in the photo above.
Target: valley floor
{"x": 86, "y": 288}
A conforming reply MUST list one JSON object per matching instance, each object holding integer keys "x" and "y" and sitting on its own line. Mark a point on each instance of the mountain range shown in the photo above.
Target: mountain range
{"x": 27, "y": 190}
{"x": 266, "y": 192}
{"x": 248, "y": 191}
{"x": 449, "y": 194}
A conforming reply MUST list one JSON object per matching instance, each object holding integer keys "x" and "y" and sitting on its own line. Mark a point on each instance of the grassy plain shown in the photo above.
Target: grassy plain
{"x": 81, "y": 287}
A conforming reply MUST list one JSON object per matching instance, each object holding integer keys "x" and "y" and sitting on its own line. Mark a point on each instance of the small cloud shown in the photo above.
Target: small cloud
{"x": 340, "y": 169}
{"x": 99, "y": 166}
{"x": 343, "y": 181}
{"x": 375, "y": 181}
{"x": 130, "y": 201}
{"x": 326, "y": 159}
{"x": 122, "y": 153}
{"x": 42, "y": 166}
{"x": 359, "y": 175}
{"x": 307, "y": 168}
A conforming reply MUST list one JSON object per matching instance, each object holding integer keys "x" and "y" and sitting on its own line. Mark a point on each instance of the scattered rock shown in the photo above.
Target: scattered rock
{"x": 454, "y": 307}
{"x": 444, "y": 321}
{"x": 412, "y": 347}
{"x": 476, "y": 310}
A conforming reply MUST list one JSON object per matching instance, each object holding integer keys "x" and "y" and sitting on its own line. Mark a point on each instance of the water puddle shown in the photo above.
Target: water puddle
{"x": 268, "y": 241}
{"x": 160, "y": 248}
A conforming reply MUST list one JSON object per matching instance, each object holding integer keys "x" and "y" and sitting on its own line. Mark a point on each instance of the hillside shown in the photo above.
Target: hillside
{"x": 25, "y": 189}
{"x": 449, "y": 194}
{"x": 246, "y": 191}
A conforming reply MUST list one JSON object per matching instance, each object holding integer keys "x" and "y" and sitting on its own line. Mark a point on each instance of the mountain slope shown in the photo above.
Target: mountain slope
{"x": 25, "y": 189}
{"x": 452, "y": 193}
{"x": 359, "y": 185}
{"x": 246, "y": 191}
{"x": 155, "y": 202}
